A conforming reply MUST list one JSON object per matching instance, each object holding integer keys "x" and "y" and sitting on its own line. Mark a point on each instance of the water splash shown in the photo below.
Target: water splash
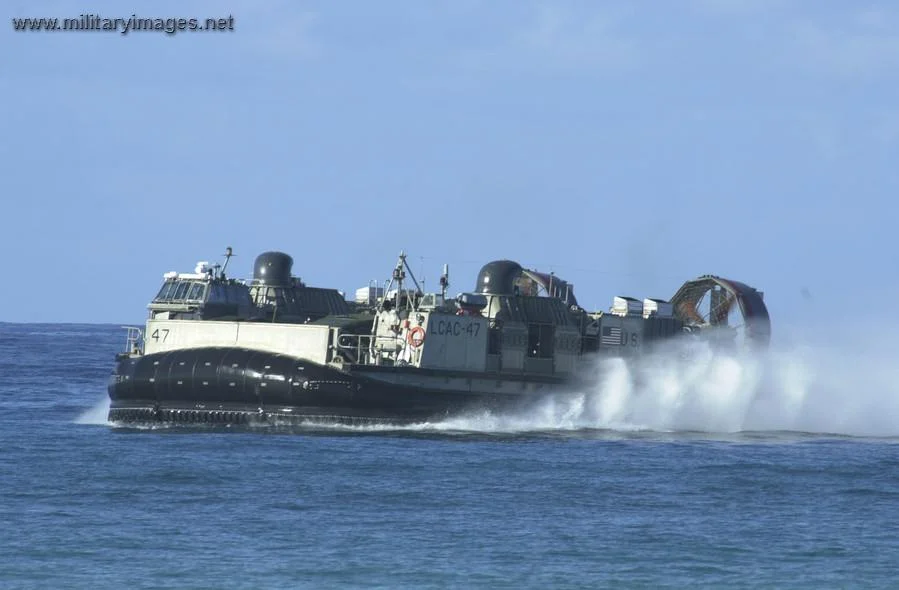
{"x": 810, "y": 389}
{"x": 96, "y": 415}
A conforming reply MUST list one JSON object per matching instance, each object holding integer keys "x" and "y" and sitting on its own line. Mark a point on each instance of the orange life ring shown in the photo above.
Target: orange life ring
{"x": 416, "y": 336}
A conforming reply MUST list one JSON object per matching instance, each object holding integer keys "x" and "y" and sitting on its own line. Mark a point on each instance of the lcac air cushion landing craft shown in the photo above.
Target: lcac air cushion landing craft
{"x": 219, "y": 350}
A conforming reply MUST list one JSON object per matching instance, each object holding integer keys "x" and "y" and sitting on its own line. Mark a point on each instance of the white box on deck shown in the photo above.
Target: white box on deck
{"x": 626, "y": 306}
{"x": 368, "y": 295}
{"x": 658, "y": 307}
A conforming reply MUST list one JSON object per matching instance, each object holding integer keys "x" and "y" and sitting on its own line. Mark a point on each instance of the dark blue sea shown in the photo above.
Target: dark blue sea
{"x": 724, "y": 483}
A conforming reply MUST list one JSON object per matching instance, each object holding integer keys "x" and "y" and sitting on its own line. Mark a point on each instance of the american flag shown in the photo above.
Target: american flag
{"x": 610, "y": 336}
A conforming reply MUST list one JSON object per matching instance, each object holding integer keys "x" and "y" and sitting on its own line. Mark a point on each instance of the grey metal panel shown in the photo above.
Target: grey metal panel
{"x": 515, "y": 339}
{"x": 454, "y": 342}
{"x": 535, "y": 365}
{"x": 321, "y": 301}
{"x": 297, "y": 303}
{"x": 534, "y": 310}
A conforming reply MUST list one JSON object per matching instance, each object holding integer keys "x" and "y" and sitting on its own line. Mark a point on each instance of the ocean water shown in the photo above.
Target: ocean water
{"x": 781, "y": 471}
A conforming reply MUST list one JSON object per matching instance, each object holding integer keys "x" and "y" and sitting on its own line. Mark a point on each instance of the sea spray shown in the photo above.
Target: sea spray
{"x": 846, "y": 390}
{"x": 97, "y": 414}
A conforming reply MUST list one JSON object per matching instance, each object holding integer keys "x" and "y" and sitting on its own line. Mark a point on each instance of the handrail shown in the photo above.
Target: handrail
{"x": 134, "y": 340}
{"x": 357, "y": 346}
{"x": 364, "y": 349}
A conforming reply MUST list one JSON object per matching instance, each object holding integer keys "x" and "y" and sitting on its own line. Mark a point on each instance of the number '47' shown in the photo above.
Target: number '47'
{"x": 155, "y": 335}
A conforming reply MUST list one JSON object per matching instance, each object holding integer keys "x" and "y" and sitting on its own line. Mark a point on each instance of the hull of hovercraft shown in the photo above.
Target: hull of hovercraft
{"x": 235, "y": 385}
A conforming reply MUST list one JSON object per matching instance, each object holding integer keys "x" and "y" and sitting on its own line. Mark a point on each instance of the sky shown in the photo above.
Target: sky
{"x": 627, "y": 146}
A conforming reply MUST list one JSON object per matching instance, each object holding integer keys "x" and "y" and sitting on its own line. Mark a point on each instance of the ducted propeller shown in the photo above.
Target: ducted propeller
{"x": 721, "y": 309}
{"x": 714, "y": 302}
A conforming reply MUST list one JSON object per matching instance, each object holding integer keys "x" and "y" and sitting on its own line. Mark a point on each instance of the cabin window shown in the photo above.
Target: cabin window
{"x": 181, "y": 291}
{"x": 540, "y": 340}
{"x": 166, "y": 291}
{"x": 197, "y": 290}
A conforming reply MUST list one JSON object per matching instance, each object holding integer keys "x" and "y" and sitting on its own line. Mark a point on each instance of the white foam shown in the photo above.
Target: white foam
{"x": 851, "y": 390}
{"x": 96, "y": 415}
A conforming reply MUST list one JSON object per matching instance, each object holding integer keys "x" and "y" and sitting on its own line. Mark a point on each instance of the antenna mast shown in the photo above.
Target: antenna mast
{"x": 398, "y": 277}
{"x": 444, "y": 281}
{"x": 228, "y": 254}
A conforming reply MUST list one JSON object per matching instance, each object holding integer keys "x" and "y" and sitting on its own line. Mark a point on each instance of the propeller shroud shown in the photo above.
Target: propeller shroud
{"x": 730, "y": 312}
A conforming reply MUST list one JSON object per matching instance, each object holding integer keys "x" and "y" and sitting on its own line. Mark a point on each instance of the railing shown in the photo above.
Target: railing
{"x": 365, "y": 349}
{"x": 134, "y": 340}
{"x": 357, "y": 348}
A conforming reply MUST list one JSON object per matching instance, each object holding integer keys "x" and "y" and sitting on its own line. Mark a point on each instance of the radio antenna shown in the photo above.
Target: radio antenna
{"x": 228, "y": 254}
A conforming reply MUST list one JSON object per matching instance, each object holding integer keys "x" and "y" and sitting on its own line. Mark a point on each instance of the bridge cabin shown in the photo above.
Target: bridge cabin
{"x": 274, "y": 295}
{"x": 201, "y": 295}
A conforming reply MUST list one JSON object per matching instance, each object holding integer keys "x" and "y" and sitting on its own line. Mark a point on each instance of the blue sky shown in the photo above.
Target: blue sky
{"x": 628, "y": 146}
